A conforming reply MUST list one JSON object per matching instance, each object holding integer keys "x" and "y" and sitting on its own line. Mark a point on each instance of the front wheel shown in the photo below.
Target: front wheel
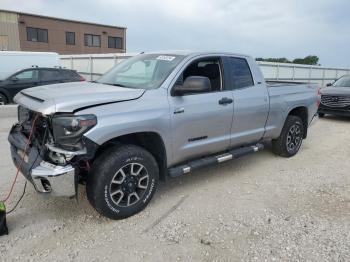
{"x": 122, "y": 181}
{"x": 290, "y": 139}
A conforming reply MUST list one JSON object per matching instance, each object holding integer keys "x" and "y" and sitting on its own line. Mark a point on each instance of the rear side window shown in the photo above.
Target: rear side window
{"x": 240, "y": 72}
{"x": 50, "y": 75}
{"x": 70, "y": 75}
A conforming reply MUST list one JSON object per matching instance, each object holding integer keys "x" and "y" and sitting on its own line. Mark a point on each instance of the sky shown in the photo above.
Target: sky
{"x": 260, "y": 28}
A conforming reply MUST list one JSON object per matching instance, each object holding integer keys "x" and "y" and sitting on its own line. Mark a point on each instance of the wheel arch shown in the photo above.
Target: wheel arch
{"x": 302, "y": 112}
{"x": 5, "y": 94}
{"x": 151, "y": 141}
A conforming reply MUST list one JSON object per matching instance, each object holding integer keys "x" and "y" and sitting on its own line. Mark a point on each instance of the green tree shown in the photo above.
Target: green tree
{"x": 276, "y": 60}
{"x": 308, "y": 60}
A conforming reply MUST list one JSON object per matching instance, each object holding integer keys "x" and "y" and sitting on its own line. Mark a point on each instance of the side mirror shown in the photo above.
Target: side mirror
{"x": 329, "y": 84}
{"x": 193, "y": 85}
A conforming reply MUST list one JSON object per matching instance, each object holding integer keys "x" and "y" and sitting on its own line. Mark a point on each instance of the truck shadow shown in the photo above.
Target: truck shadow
{"x": 202, "y": 178}
{"x": 62, "y": 209}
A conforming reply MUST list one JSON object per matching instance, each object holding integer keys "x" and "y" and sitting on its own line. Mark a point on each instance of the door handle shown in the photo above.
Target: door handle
{"x": 179, "y": 110}
{"x": 225, "y": 101}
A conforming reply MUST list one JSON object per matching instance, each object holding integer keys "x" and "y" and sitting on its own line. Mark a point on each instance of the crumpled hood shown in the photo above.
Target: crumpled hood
{"x": 336, "y": 91}
{"x": 70, "y": 97}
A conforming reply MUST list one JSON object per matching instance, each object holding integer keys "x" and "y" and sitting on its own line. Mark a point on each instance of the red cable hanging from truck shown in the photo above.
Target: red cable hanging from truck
{"x": 22, "y": 159}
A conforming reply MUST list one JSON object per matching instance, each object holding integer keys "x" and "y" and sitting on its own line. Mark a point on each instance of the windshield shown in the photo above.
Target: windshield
{"x": 146, "y": 71}
{"x": 344, "y": 81}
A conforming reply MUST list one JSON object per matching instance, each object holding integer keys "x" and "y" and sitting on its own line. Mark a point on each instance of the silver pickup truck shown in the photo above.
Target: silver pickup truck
{"x": 154, "y": 116}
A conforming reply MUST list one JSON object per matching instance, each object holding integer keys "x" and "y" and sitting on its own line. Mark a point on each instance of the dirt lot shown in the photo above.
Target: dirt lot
{"x": 259, "y": 208}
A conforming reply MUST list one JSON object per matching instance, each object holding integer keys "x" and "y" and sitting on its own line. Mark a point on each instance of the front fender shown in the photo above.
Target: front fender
{"x": 147, "y": 114}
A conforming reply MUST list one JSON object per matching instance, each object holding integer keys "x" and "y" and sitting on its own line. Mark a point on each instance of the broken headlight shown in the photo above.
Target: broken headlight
{"x": 68, "y": 130}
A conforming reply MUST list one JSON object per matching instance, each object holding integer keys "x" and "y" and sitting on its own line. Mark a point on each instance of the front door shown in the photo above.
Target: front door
{"x": 22, "y": 80}
{"x": 201, "y": 122}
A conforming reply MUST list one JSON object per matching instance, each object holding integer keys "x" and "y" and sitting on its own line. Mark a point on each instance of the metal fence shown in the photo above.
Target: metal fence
{"x": 301, "y": 73}
{"x": 92, "y": 66}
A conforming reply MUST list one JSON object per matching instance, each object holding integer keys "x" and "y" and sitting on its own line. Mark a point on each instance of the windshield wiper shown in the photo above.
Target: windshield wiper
{"x": 118, "y": 85}
{"x": 110, "y": 84}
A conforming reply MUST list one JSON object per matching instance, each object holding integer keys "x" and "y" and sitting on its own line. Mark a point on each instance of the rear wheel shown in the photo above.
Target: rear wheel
{"x": 3, "y": 99}
{"x": 122, "y": 181}
{"x": 290, "y": 139}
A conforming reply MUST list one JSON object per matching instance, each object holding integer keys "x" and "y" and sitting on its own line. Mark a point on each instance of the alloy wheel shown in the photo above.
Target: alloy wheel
{"x": 129, "y": 184}
{"x": 294, "y": 137}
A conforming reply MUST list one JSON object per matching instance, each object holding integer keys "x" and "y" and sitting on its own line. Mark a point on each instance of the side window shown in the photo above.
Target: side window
{"x": 37, "y": 35}
{"x": 206, "y": 67}
{"x": 67, "y": 74}
{"x": 92, "y": 40}
{"x": 115, "y": 42}
{"x": 28, "y": 75}
{"x": 70, "y": 38}
{"x": 50, "y": 75}
{"x": 240, "y": 73}
{"x": 70, "y": 75}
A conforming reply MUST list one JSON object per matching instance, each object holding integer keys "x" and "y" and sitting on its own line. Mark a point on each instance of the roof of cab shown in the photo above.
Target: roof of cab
{"x": 195, "y": 53}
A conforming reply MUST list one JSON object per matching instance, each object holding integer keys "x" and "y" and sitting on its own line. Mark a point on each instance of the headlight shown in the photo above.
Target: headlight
{"x": 68, "y": 130}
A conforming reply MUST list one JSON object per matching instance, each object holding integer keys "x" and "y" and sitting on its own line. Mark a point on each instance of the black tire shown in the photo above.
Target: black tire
{"x": 3, "y": 99}
{"x": 282, "y": 146}
{"x": 118, "y": 164}
{"x": 321, "y": 114}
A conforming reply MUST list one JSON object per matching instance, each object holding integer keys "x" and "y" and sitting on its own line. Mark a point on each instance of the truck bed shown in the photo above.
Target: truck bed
{"x": 284, "y": 96}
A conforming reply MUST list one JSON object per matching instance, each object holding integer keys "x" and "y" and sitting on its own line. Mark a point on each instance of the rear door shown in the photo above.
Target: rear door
{"x": 22, "y": 80}
{"x": 70, "y": 76}
{"x": 50, "y": 76}
{"x": 250, "y": 103}
{"x": 200, "y": 123}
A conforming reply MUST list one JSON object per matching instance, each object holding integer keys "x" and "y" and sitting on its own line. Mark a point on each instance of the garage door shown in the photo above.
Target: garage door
{"x": 4, "y": 42}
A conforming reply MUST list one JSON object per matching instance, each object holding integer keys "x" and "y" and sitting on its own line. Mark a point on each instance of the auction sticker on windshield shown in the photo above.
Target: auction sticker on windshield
{"x": 166, "y": 58}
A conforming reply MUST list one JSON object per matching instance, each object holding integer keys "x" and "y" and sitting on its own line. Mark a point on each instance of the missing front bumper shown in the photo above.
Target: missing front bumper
{"x": 47, "y": 178}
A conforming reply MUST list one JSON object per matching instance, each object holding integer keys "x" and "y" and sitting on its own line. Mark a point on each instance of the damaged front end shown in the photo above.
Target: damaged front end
{"x": 58, "y": 153}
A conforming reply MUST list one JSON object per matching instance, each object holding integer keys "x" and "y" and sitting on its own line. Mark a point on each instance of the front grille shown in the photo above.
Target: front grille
{"x": 335, "y": 101}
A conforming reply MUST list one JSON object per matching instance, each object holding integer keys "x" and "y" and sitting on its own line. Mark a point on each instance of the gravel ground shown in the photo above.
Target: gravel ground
{"x": 259, "y": 208}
